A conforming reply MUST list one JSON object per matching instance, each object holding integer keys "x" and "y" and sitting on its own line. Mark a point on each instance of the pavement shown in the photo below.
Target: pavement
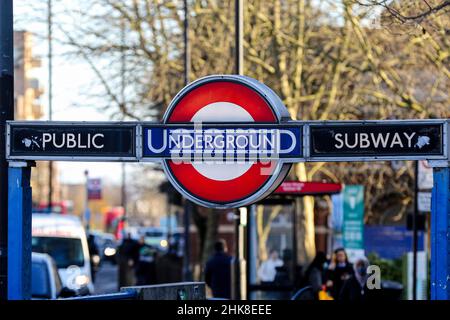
{"x": 106, "y": 280}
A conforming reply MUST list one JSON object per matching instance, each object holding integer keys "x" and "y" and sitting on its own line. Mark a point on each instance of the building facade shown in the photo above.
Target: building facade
{"x": 28, "y": 106}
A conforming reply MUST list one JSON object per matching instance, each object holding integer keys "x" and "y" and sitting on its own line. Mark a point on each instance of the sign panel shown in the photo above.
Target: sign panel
{"x": 337, "y": 217}
{"x": 425, "y": 176}
{"x": 372, "y": 140}
{"x": 391, "y": 242}
{"x": 71, "y": 141}
{"x": 424, "y": 201}
{"x": 353, "y": 225}
{"x": 222, "y": 142}
{"x": 94, "y": 189}
{"x": 308, "y": 188}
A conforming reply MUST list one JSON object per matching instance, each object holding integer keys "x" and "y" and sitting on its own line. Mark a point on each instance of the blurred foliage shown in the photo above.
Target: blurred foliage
{"x": 390, "y": 269}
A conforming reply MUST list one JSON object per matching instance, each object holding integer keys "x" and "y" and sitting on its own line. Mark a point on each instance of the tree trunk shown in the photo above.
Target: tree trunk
{"x": 212, "y": 225}
{"x": 306, "y": 244}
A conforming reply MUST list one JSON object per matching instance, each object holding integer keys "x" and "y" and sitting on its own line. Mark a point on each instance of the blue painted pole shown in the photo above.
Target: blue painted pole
{"x": 19, "y": 231}
{"x": 440, "y": 237}
{"x": 6, "y": 113}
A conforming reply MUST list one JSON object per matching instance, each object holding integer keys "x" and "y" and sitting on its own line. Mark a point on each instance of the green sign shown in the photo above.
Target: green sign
{"x": 353, "y": 224}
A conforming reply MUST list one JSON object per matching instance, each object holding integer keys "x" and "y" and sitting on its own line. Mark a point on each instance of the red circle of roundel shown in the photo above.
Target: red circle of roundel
{"x": 222, "y": 91}
{"x": 252, "y": 180}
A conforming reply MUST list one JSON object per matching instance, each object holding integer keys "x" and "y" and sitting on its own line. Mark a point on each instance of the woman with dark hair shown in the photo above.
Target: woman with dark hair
{"x": 314, "y": 273}
{"x": 355, "y": 288}
{"x": 338, "y": 272}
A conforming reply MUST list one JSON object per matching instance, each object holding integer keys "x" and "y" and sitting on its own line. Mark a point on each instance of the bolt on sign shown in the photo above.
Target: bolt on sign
{"x": 227, "y": 141}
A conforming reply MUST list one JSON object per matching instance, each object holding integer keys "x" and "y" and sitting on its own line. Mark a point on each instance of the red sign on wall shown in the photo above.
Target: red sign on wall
{"x": 308, "y": 188}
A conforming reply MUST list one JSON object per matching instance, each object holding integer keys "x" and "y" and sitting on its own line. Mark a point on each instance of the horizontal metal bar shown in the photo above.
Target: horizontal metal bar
{"x": 374, "y": 158}
{"x": 129, "y": 294}
{"x": 305, "y": 139}
{"x": 68, "y": 123}
{"x": 290, "y": 122}
{"x": 75, "y": 158}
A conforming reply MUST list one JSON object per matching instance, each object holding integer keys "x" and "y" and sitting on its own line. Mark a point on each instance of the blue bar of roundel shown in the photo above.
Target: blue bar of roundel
{"x": 157, "y": 136}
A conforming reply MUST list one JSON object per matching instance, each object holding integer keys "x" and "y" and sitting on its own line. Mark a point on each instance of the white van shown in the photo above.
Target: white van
{"x": 63, "y": 238}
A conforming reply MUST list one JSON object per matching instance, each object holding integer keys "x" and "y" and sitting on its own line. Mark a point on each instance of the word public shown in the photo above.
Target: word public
{"x": 72, "y": 140}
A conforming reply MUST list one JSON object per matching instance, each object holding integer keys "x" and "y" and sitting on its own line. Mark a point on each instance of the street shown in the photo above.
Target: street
{"x": 106, "y": 279}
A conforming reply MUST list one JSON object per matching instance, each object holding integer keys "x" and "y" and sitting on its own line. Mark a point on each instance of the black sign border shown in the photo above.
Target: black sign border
{"x": 445, "y": 124}
{"x": 251, "y": 125}
{"x": 139, "y": 125}
{"x": 127, "y": 124}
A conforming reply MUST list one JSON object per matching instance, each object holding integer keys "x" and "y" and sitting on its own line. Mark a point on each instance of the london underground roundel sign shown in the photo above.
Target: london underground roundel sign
{"x": 225, "y": 141}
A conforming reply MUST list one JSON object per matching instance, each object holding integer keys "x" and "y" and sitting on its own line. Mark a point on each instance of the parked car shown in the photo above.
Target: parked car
{"x": 45, "y": 280}
{"x": 63, "y": 238}
{"x": 155, "y": 237}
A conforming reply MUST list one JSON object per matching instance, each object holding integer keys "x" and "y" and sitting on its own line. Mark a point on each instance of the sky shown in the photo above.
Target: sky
{"x": 69, "y": 78}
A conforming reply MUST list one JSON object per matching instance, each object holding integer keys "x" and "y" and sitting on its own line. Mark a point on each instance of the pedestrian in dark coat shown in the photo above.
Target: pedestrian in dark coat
{"x": 145, "y": 267}
{"x": 339, "y": 270}
{"x": 314, "y": 274}
{"x": 355, "y": 288}
{"x": 128, "y": 255}
{"x": 218, "y": 271}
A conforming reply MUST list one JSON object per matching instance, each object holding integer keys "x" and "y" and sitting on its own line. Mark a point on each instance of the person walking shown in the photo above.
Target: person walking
{"x": 268, "y": 269}
{"x": 94, "y": 256}
{"x": 169, "y": 266}
{"x": 145, "y": 267}
{"x": 355, "y": 288}
{"x": 218, "y": 271}
{"x": 338, "y": 272}
{"x": 128, "y": 254}
{"x": 314, "y": 274}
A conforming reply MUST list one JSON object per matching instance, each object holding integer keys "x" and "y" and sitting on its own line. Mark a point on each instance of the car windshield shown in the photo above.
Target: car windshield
{"x": 40, "y": 284}
{"x": 154, "y": 234}
{"x": 65, "y": 251}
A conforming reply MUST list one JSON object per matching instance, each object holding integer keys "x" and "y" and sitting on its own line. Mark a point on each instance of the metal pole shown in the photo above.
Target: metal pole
{"x": 187, "y": 275}
{"x": 124, "y": 189}
{"x": 440, "y": 239}
{"x": 239, "y": 26}
{"x": 187, "y": 47}
{"x": 85, "y": 218}
{"x": 414, "y": 226}
{"x": 50, "y": 98}
{"x": 122, "y": 93}
{"x": 239, "y": 65}
{"x": 6, "y": 113}
{"x": 243, "y": 240}
{"x": 19, "y": 231}
{"x": 252, "y": 250}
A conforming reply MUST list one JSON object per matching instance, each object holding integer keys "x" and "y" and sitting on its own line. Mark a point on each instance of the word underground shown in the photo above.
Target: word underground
{"x": 202, "y": 144}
